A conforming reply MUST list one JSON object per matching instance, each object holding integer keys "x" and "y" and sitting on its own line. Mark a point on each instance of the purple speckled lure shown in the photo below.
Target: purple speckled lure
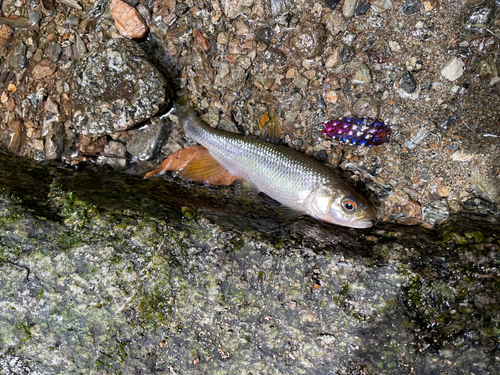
{"x": 359, "y": 131}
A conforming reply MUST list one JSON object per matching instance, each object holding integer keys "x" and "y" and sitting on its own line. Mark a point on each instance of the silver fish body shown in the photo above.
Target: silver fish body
{"x": 293, "y": 179}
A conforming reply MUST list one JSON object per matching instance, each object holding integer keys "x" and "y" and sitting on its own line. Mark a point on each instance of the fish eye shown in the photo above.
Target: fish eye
{"x": 349, "y": 204}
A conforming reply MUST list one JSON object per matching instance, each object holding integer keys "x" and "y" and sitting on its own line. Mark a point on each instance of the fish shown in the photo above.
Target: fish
{"x": 358, "y": 131}
{"x": 299, "y": 182}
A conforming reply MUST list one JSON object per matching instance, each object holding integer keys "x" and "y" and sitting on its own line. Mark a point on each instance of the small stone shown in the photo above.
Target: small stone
{"x": 264, "y": 35}
{"x": 5, "y": 96}
{"x": 17, "y": 57}
{"x": 408, "y": 83}
{"x": 362, "y": 8}
{"x": 309, "y": 40}
{"x": 290, "y": 73}
{"x": 375, "y": 21}
{"x": 367, "y": 106}
{"x": 435, "y": 212}
{"x": 453, "y": 69}
{"x": 334, "y": 60}
{"x": 486, "y": 67}
{"x": 300, "y": 81}
{"x": 483, "y": 44}
{"x": 5, "y": 33}
{"x": 12, "y": 88}
{"x": 331, "y": 97}
{"x": 114, "y": 156}
{"x": 380, "y": 6}
{"x": 43, "y": 69}
{"x": 410, "y": 7}
{"x": 51, "y": 106}
{"x": 347, "y": 53}
{"x": 394, "y": 46}
{"x": 427, "y": 6}
{"x": 349, "y": 7}
{"x": 332, "y": 3}
{"x": 478, "y": 22}
{"x": 10, "y": 105}
{"x": 53, "y": 51}
{"x": 233, "y": 8}
{"x": 242, "y": 27}
{"x": 53, "y": 133}
{"x": 363, "y": 74}
{"x": 128, "y": 20}
{"x": 236, "y": 78}
{"x": 274, "y": 56}
{"x": 335, "y": 22}
{"x": 223, "y": 38}
{"x": 146, "y": 142}
{"x": 414, "y": 64}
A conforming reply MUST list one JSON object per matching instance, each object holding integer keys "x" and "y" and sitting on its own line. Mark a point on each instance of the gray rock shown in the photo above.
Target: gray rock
{"x": 363, "y": 74}
{"x": 300, "y": 81}
{"x": 414, "y": 64}
{"x": 236, "y": 78}
{"x": 113, "y": 155}
{"x": 274, "y": 56}
{"x": 435, "y": 211}
{"x": 264, "y": 35}
{"x": 116, "y": 88}
{"x": 17, "y": 57}
{"x": 453, "y": 69}
{"x": 410, "y": 7}
{"x": 146, "y": 141}
{"x": 53, "y": 51}
{"x": 367, "y": 106}
{"x": 309, "y": 40}
{"x": 347, "y": 53}
{"x": 479, "y": 20}
{"x": 332, "y": 3}
{"x": 380, "y": 6}
{"x": 362, "y": 8}
{"x": 335, "y": 22}
{"x": 349, "y": 7}
{"x": 408, "y": 83}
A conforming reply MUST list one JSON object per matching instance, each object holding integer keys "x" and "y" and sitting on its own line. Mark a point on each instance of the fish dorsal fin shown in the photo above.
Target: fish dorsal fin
{"x": 270, "y": 130}
{"x": 195, "y": 163}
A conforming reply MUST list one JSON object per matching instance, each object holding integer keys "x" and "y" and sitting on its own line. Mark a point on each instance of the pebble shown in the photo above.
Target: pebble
{"x": 394, "y": 46}
{"x": 223, "y": 38}
{"x": 414, "y": 64}
{"x": 114, "y": 156}
{"x": 367, "y": 106}
{"x": 233, "y": 8}
{"x": 278, "y": 7}
{"x": 410, "y": 7}
{"x": 146, "y": 142}
{"x": 10, "y": 104}
{"x": 51, "y": 106}
{"x": 53, "y": 51}
{"x": 335, "y": 22}
{"x": 347, "y": 53}
{"x": 300, "y": 81}
{"x": 349, "y": 7}
{"x": 274, "y": 56}
{"x": 331, "y": 97}
{"x": 408, "y": 83}
{"x": 43, "y": 69}
{"x": 486, "y": 67}
{"x": 236, "y": 78}
{"x": 127, "y": 20}
{"x": 334, "y": 60}
{"x": 435, "y": 212}
{"x": 484, "y": 44}
{"x": 17, "y": 57}
{"x": 362, "y": 8}
{"x": 363, "y": 74}
{"x": 5, "y": 33}
{"x": 53, "y": 133}
{"x": 309, "y": 40}
{"x": 453, "y": 69}
{"x": 380, "y": 6}
{"x": 479, "y": 20}
{"x": 264, "y": 35}
{"x": 332, "y": 3}
{"x": 116, "y": 88}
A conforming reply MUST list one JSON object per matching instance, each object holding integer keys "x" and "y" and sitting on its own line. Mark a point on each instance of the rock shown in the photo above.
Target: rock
{"x": 146, "y": 142}
{"x": 375, "y": 21}
{"x": 414, "y": 64}
{"x": 362, "y": 8}
{"x": 5, "y": 33}
{"x": 233, "y": 8}
{"x": 486, "y": 67}
{"x": 264, "y": 35}
{"x": 335, "y": 22}
{"x": 300, "y": 81}
{"x": 9, "y": 104}
{"x": 309, "y": 40}
{"x": 116, "y": 88}
{"x": 128, "y": 20}
{"x": 332, "y": 3}
{"x": 43, "y": 69}
{"x": 435, "y": 212}
{"x": 363, "y": 74}
{"x": 278, "y": 7}
{"x": 349, "y": 7}
{"x": 274, "y": 56}
{"x": 51, "y": 106}
{"x": 479, "y": 20}
{"x": 367, "y": 106}
{"x": 408, "y": 83}
{"x": 53, "y": 133}
{"x": 17, "y": 57}
{"x": 53, "y": 51}
{"x": 453, "y": 69}
{"x": 334, "y": 60}
{"x": 484, "y": 44}
{"x": 347, "y": 53}
{"x": 410, "y": 7}
{"x": 380, "y": 6}
{"x": 331, "y": 97}
{"x": 236, "y": 78}
{"x": 114, "y": 156}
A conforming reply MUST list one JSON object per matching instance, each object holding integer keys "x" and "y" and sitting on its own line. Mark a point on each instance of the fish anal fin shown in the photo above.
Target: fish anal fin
{"x": 177, "y": 160}
{"x": 287, "y": 213}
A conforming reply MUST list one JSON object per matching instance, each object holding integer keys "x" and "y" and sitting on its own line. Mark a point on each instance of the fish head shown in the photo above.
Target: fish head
{"x": 339, "y": 204}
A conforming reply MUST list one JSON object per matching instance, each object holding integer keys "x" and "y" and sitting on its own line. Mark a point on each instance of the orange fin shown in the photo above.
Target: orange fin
{"x": 195, "y": 163}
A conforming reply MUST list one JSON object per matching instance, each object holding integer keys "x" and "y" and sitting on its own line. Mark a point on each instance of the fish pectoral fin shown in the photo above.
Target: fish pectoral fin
{"x": 205, "y": 169}
{"x": 288, "y": 213}
{"x": 177, "y": 160}
{"x": 271, "y": 132}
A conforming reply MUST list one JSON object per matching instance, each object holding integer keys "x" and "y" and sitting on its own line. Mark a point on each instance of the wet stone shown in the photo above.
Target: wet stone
{"x": 363, "y": 74}
{"x": 53, "y": 133}
{"x": 309, "y": 40}
{"x": 236, "y": 78}
{"x": 453, "y": 69}
{"x": 410, "y": 7}
{"x": 335, "y": 22}
{"x": 146, "y": 141}
{"x": 380, "y": 6}
{"x": 333, "y": 61}
{"x": 264, "y": 35}
{"x": 349, "y": 7}
{"x": 127, "y": 20}
{"x": 362, "y": 8}
{"x": 274, "y": 56}
{"x": 486, "y": 67}
{"x": 408, "y": 83}
{"x": 114, "y": 156}
{"x": 278, "y": 7}
{"x": 5, "y": 33}
{"x": 116, "y": 88}
{"x": 479, "y": 20}
{"x": 435, "y": 211}
{"x": 367, "y": 106}
{"x": 414, "y": 64}
{"x": 347, "y": 53}
{"x": 53, "y": 51}
{"x": 300, "y": 81}
{"x": 17, "y": 57}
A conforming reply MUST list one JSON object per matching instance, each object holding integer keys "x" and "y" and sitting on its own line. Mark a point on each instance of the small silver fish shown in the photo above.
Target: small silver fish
{"x": 295, "y": 180}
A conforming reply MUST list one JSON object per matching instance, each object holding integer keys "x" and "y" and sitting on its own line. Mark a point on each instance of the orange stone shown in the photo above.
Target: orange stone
{"x": 128, "y": 20}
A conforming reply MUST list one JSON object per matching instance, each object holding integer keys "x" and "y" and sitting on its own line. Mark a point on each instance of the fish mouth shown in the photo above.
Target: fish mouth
{"x": 363, "y": 223}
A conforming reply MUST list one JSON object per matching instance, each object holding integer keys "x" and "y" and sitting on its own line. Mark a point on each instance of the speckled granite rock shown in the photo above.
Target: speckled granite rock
{"x": 116, "y": 88}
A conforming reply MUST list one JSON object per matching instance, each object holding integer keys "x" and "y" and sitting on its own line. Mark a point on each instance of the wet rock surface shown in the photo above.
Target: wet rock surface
{"x": 114, "y": 282}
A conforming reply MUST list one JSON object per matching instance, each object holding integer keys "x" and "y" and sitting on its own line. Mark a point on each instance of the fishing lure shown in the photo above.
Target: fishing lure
{"x": 359, "y": 131}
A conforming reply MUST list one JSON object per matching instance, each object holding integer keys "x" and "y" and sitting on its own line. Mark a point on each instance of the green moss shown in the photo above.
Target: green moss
{"x": 27, "y": 331}
{"x": 39, "y": 294}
